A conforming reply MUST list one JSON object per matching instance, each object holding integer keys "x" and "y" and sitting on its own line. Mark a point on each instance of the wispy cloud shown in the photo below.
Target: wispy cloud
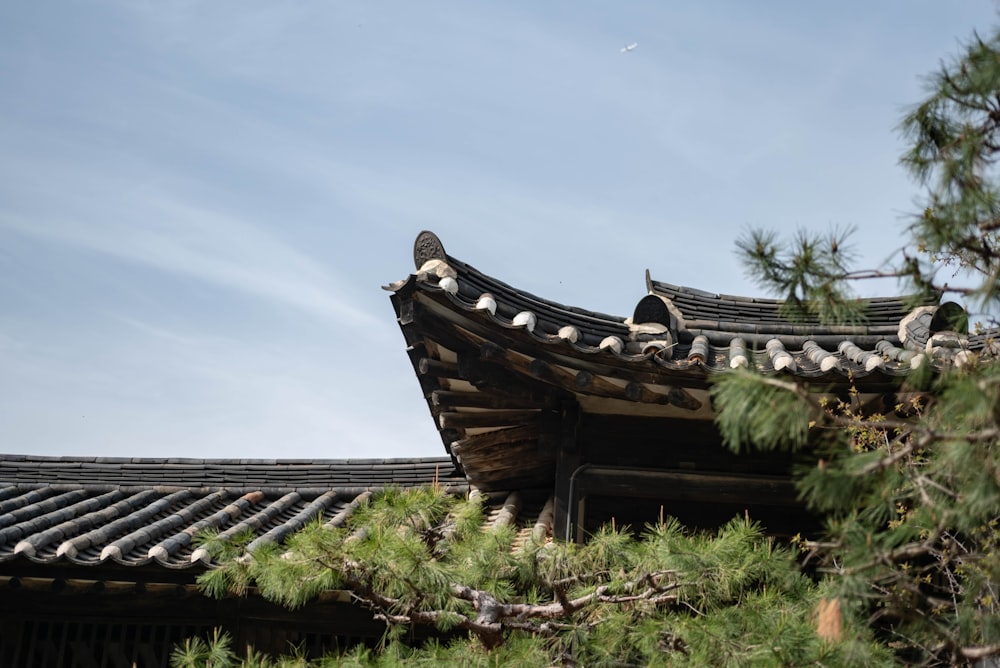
{"x": 146, "y": 388}
{"x": 181, "y": 238}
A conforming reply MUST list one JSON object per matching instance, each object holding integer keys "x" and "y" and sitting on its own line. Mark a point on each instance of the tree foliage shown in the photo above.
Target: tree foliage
{"x": 665, "y": 597}
{"x": 912, "y": 498}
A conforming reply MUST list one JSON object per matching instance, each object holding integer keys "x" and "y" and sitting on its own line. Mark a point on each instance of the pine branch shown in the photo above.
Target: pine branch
{"x": 494, "y": 616}
{"x": 889, "y": 461}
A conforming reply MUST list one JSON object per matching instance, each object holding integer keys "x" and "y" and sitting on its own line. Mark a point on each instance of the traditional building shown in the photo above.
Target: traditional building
{"x": 613, "y": 414}
{"x": 564, "y": 417}
{"x": 98, "y": 560}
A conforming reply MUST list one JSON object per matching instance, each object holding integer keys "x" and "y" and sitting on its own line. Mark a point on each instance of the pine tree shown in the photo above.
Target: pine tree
{"x": 913, "y": 505}
{"x": 421, "y": 558}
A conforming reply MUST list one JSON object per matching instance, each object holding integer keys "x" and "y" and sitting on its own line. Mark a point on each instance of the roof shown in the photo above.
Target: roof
{"x": 683, "y": 330}
{"x": 722, "y": 317}
{"x": 498, "y": 365}
{"x": 89, "y": 512}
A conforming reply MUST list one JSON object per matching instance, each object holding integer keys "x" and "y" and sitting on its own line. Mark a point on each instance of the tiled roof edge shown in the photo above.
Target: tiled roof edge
{"x": 69, "y": 459}
{"x": 450, "y": 485}
{"x": 250, "y": 474}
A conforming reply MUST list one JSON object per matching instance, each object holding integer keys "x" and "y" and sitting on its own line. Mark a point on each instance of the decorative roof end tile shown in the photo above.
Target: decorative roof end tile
{"x": 487, "y": 303}
{"x": 825, "y": 360}
{"x": 158, "y": 552}
{"x": 699, "y": 349}
{"x": 25, "y": 548}
{"x": 569, "y": 333}
{"x": 656, "y": 347}
{"x": 612, "y": 343}
{"x": 67, "y": 549}
{"x": 914, "y": 329}
{"x": 525, "y": 319}
{"x": 870, "y": 361}
{"x": 738, "y": 354}
{"x": 780, "y": 357}
{"x": 964, "y": 357}
{"x": 111, "y": 552}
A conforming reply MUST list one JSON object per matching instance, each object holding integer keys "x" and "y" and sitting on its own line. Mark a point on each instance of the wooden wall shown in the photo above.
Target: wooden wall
{"x": 55, "y": 625}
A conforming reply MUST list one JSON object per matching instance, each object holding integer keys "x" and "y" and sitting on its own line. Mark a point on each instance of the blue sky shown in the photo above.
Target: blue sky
{"x": 199, "y": 201}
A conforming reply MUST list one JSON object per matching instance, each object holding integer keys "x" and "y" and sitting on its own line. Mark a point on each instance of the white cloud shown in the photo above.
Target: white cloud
{"x": 147, "y": 389}
{"x": 183, "y": 239}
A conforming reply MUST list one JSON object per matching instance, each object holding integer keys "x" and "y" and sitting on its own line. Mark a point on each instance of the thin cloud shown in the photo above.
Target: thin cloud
{"x": 186, "y": 240}
{"x": 205, "y": 395}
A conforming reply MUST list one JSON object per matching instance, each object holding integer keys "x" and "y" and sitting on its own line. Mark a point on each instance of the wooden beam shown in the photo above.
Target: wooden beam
{"x": 641, "y": 393}
{"x": 431, "y": 367}
{"x": 585, "y": 380}
{"x": 444, "y": 323}
{"x": 498, "y": 459}
{"x": 496, "y": 377}
{"x": 488, "y": 359}
{"x": 448, "y": 399}
{"x": 491, "y": 352}
{"x": 488, "y": 418}
{"x": 675, "y": 396}
{"x": 683, "y": 399}
{"x": 497, "y": 437}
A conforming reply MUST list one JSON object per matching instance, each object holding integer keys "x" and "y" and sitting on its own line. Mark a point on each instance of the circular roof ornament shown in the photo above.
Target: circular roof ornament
{"x": 427, "y": 247}
{"x": 652, "y": 309}
{"x": 950, "y": 317}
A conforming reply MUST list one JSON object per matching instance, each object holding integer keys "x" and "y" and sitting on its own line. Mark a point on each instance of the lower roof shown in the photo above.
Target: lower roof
{"x": 93, "y": 511}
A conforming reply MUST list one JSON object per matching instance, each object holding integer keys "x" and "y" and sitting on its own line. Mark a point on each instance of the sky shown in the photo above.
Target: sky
{"x": 199, "y": 200}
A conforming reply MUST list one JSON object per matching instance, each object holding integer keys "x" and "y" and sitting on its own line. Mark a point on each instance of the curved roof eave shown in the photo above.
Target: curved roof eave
{"x": 725, "y": 335}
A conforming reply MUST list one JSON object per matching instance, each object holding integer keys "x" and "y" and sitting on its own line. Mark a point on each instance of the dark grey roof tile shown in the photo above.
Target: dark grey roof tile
{"x": 142, "y": 514}
{"x": 295, "y": 522}
{"x": 121, "y": 549}
{"x": 24, "y": 498}
{"x": 167, "y": 549}
{"x": 134, "y": 511}
{"x": 51, "y": 512}
{"x": 44, "y": 504}
{"x": 52, "y": 537}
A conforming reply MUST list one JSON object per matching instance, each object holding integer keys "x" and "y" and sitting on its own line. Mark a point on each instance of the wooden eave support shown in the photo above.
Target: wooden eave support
{"x": 442, "y": 321}
{"x": 506, "y": 458}
{"x": 507, "y": 389}
{"x": 448, "y": 399}
{"x": 498, "y": 418}
{"x": 497, "y": 437}
{"x": 431, "y": 367}
{"x": 585, "y": 381}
